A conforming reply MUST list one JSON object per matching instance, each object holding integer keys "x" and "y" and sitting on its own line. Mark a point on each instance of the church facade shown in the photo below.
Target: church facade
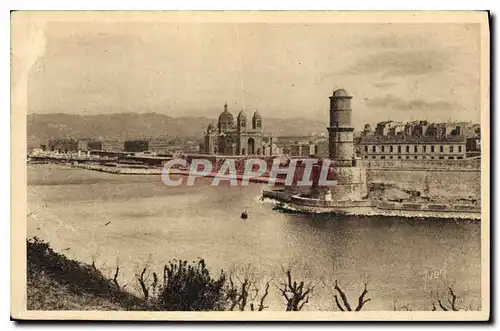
{"x": 240, "y": 137}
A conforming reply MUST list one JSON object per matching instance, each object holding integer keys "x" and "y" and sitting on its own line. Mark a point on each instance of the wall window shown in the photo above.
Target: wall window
{"x": 383, "y": 148}
{"x": 366, "y": 157}
{"x": 424, "y": 148}
{"x": 415, "y": 148}
{"x": 407, "y": 157}
{"x": 407, "y": 149}
{"x": 391, "y": 157}
{"x": 415, "y": 157}
{"x": 399, "y": 157}
{"x": 399, "y": 149}
{"x": 432, "y": 157}
{"x": 366, "y": 148}
{"x": 451, "y": 149}
{"x": 392, "y": 149}
{"x": 460, "y": 149}
{"x": 441, "y": 149}
{"x": 441, "y": 157}
{"x": 373, "y": 157}
{"x": 459, "y": 157}
{"x": 374, "y": 149}
{"x": 432, "y": 149}
{"x": 383, "y": 157}
{"x": 451, "y": 158}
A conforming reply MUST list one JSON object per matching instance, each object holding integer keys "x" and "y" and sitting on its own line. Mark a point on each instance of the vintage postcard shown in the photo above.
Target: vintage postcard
{"x": 250, "y": 165}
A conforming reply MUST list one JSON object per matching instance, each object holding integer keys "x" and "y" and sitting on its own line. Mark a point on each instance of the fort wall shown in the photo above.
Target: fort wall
{"x": 454, "y": 182}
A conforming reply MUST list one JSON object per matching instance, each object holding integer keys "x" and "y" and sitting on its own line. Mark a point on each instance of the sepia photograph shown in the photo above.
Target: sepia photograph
{"x": 232, "y": 165}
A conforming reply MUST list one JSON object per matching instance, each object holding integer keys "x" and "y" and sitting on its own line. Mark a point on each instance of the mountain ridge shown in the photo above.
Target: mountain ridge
{"x": 129, "y": 125}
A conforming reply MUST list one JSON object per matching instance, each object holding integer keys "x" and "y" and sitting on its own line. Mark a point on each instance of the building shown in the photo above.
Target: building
{"x": 420, "y": 140}
{"x": 389, "y": 128}
{"x": 473, "y": 148}
{"x": 112, "y": 145}
{"x": 63, "y": 145}
{"x": 136, "y": 146}
{"x": 105, "y": 145}
{"x": 235, "y": 138}
{"x": 297, "y": 145}
{"x": 416, "y": 128}
{"x": 159, "y": 145}
{"x": 413, "y": 147}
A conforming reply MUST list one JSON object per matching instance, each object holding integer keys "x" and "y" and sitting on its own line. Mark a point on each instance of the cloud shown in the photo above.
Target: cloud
{"x": 383, "y": 85}
{"x": 392, "y": 102}
{"x": 400, "y": 63}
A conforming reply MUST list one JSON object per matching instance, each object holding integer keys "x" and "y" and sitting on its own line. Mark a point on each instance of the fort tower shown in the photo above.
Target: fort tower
{"x": 341, "y": 140}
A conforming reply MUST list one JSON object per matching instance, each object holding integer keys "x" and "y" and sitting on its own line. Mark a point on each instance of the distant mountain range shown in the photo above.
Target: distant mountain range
{"x": 42, "y": 127}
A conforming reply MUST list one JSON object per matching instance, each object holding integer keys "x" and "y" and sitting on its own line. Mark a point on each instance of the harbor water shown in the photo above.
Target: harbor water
{"x": 134, "y": 221}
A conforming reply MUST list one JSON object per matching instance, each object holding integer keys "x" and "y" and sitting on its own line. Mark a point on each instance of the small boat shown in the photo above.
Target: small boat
{"x": 244, "y": 215}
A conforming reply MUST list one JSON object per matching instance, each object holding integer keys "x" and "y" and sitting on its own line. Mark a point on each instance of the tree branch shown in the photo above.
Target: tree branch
{"x": 343, "y": 297}
{"x": 361, "y": 301}
{"x": 338, "y": 303}
{"x": 115, "y": 278}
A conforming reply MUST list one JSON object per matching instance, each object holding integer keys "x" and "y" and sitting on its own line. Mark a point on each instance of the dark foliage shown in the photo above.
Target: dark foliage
{"x": 190, "y": 287}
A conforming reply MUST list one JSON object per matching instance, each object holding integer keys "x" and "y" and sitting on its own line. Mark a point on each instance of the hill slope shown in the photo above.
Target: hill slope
{"x": 42, "y": 127}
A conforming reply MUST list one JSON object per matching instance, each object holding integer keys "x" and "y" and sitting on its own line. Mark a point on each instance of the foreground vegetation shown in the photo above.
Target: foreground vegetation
{"x": 58, "y": 283}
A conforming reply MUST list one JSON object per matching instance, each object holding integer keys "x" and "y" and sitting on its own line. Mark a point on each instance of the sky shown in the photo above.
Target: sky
{"x": 396, "y": 72}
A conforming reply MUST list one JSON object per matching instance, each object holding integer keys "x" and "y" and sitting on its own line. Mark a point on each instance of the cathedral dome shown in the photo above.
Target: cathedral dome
{"x": 226, "y": 119}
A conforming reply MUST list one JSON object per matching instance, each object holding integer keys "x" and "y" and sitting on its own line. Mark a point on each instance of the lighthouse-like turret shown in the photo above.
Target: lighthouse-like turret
{"x": 341, "y": 131}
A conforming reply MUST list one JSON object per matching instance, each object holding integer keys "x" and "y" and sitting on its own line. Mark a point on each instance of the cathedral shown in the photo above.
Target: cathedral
{"x": 230, "y": 138}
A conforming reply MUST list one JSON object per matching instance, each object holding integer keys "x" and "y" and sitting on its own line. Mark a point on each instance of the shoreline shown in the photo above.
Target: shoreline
{"x": 158, "y": 171}
{"x": 289, "y": 204}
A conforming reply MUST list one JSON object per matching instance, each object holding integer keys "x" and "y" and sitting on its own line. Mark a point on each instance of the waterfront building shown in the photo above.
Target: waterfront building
{"x": 112, "y": 145}
{"x": 105, "y": 145}
{"x": 63, "y": 145}
{"x": 473, "y": 148}
{"x": 136, "y": 146}
{"x": 235, "y": 138}
{"x": 419, "y": 140}
{"x": 377, "y": 147}
{"x": 389, "y": 128}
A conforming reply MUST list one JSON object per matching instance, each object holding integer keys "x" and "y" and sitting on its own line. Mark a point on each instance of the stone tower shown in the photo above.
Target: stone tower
{"x": 341, "y": 137}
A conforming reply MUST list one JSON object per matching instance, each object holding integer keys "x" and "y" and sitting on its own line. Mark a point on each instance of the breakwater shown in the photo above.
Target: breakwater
{"x": 180, "y": 172}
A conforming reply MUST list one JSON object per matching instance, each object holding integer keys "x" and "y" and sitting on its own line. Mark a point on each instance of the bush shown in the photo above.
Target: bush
{"x": 190, "y": 287}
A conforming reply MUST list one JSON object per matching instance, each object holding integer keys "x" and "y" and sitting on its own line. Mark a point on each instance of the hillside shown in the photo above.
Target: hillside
{"x": 41, "y": 127}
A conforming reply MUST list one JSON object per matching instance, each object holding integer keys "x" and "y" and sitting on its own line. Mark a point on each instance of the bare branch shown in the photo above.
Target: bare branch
{"x": 361, "y": 300}
{"x": 145, "y": 289}
{"x": 115, "y": 278}
{"x": 441, "y": 305}
{"x": 453, "y": 299}
{"x": 343, "y": 297}
{"x": 338, "y": 303}
{"x": 261, "y": 304}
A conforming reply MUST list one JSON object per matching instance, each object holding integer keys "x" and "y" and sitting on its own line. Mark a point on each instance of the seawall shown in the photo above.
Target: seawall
{"x": 455, "y": 180}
